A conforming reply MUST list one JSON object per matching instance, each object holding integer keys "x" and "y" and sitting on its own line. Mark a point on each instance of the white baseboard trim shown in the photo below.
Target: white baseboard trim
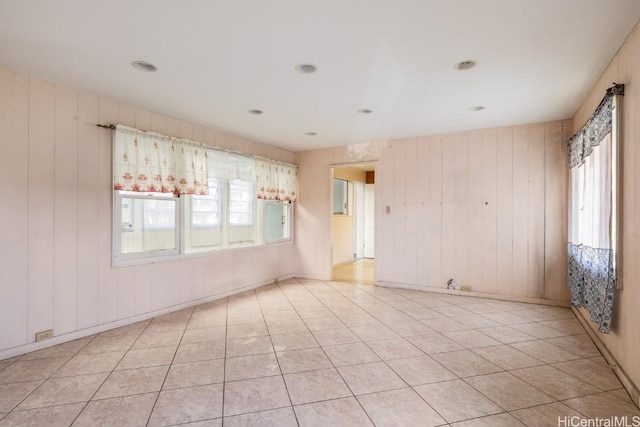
{"x": 626, "y": 381}
{"x": 501, "y": 297}
{"x": 59, "y": 339}
{"x": 311, "y": 277}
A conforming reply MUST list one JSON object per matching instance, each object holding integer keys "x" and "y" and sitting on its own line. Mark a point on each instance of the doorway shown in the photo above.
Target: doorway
{"x": 353, "y": 223}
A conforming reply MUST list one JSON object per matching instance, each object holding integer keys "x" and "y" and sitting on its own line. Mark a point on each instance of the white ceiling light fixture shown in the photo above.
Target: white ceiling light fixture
{"x": 306, "y": 68}
{"x": 311, "y": 133}
{"x": 476, "y": 108}
{"x": 364, "y": 111}
{"x": 255, "y": 112}
{"x": 465, "y": 65}
{"x": 144, "y": 66}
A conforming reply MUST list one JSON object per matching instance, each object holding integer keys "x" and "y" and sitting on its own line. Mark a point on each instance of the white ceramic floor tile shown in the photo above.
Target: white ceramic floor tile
{"x": 420, "y": 370}
{"x": 331, "y": 341}
{"x": 457, "y": 401}
{"x": 371, "y": 378}
{"x": 275, "y": 417}
{"x": 133, "y": 381}
{"x": 340, "y": 412}
{"x": 253, "y": 366}
{"x": 294, "y": 341}
{"x": 399, "y": 408}
{"x": 259, "y": 394}
{"x": 465, "y": 363}
{"x": 602, "y": 406}
{"x": 554, "y": 382}
{"x": 193, "y": 374}
{"x": 434, "y": 343}
{"x": 507, "y": 357}
{"x": 120, "y": 411}
{"x": 545, "y": 415}
{"x": 61, "y": 391}
{"x": 350, "y": 354}
{"x": 187, "y": 405}
{"x": 53, "y": 416}
{"x": 508, "y": 392}
{"x": 303, "y": 360}
{"x": 500, "y": 420}
{"x": 314, "y": 386}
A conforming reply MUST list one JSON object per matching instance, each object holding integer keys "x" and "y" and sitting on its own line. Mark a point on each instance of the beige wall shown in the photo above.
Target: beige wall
{"x": 485, "y": 207}
{"x": 624, "y": 339}
{"x": 56, "y": 219}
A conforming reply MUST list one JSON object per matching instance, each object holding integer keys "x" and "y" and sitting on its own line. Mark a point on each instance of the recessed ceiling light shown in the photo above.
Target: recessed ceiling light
{"x": 364, "y": 111}
{"x": 306, "y": 68}
{"x": 476, "y": 108}
{"x": 311, "y": 133}
{"x": 256, "y": 112}
{"x": 467, "y": 64}
{"x": 144, "y": 66}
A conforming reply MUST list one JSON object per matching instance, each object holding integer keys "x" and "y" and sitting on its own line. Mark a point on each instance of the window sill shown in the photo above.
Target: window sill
{"x": 128, "y": 262}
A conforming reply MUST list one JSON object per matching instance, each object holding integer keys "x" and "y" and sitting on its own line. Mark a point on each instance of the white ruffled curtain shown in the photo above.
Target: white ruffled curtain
{"x": 150, "y": 162}
{"x": 230, "y": 166}
{"x": 276, "y": 181}
{"x": 593, "y": 199}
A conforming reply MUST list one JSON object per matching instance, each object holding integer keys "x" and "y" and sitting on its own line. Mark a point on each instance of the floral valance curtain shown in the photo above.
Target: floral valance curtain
{"x": 150, "y": 162}
{"x": 593, "y": 199}
{"x": 276, "y": 181}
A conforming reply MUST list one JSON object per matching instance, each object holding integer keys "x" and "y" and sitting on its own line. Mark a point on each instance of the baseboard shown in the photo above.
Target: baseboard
{"x": 501, "y": 297}
{"x": 626, "y": 381}
{"x": 59, "y": 339}
{"x": 311, "y": 277}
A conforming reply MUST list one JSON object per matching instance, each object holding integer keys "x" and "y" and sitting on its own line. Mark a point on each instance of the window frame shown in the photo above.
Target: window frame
{"x": 125, "y": 259}
{"x": 249, "y": 234}
{"x": 289, "y": 205}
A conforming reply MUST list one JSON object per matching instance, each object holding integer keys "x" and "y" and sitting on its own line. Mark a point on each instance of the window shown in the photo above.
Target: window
{"x": 278, "y": 221}
{"x": 174, "y": 198}
{"x": 340, "y": 196}
{"x": 593, "y": 227}
{"x": 204, "y": 219}
{"x": 148, "y": 224}
{"x": 241, "y": 200}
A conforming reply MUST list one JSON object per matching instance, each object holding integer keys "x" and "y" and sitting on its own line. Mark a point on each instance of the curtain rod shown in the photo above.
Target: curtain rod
{"x": 615, "y": 89}
{"x": 113, "y": 127}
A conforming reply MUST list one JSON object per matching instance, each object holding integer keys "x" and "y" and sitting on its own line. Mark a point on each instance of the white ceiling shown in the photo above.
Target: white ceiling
{"x": 217, "y": 59}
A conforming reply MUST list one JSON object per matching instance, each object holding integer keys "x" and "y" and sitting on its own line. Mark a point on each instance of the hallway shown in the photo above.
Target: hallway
{"x": 360, "y": 272}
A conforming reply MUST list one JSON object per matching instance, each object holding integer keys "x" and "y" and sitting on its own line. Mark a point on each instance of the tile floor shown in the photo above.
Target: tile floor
{"x": 314, "y": 353}
{"x": 360, "y": 271}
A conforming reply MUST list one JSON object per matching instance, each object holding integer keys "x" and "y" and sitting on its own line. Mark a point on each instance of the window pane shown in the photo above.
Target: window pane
{"x": 205, "y": 229}
{"x": 340, "y": 196}
{"x": 205, "y": 210}
{"x": 278, "y": 221}
{"x": 241, "y": 199}
{"x": 148, "y": 224}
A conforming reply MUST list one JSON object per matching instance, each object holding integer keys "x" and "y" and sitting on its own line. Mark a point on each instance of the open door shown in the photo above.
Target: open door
{"x": 353, "y": 223}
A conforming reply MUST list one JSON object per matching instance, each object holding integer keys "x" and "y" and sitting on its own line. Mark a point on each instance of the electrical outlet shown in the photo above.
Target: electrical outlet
{"x": 44, "y": 335}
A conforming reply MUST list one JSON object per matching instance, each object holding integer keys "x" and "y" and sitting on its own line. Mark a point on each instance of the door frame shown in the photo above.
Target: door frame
{"x": 372, "y": 166}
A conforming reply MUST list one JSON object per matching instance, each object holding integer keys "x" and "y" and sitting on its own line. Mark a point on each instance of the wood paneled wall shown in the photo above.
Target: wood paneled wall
{"x": 624, "y": 339}
{"x": 56, "y": 218}
{"x": 485, "y": 207}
